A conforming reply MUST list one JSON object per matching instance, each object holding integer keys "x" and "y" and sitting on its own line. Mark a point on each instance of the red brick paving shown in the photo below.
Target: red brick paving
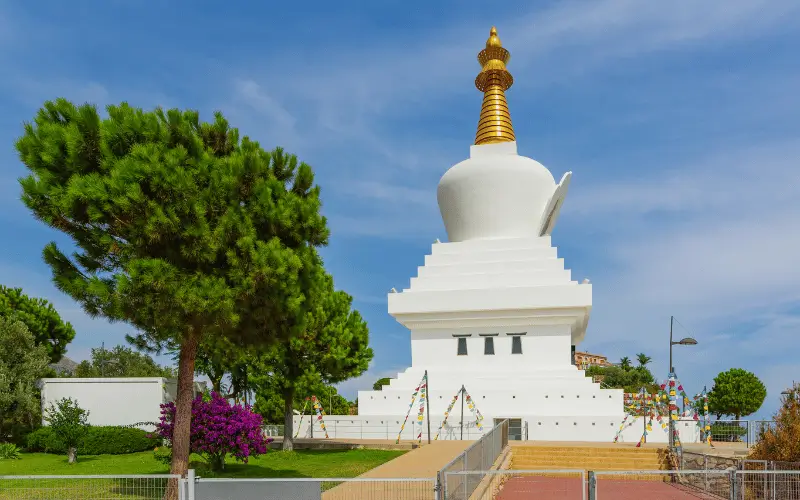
{"x": 549, "y": 488}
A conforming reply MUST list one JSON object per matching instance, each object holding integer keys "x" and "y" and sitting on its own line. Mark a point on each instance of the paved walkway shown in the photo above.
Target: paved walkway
{"x": 421, "y": 463}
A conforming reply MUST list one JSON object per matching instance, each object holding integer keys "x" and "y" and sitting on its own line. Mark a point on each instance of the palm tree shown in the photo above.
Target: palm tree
{"x": 625, "y": 363}
{"x": 643, "y": 359}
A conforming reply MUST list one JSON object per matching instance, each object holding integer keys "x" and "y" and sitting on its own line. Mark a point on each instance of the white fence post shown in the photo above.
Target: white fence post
{"x": 190, "y": 483}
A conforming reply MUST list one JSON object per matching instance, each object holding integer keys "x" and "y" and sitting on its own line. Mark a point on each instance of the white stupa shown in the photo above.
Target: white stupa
{"x": 494, "y": 309}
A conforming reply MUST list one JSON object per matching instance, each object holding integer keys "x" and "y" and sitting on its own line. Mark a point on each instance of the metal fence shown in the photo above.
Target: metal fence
{"x": 344, "y": 428}
{"x": 484, "y": 484}
{"x": 273, "y": 430}
{"x": 477, "y": 459}
{"x": 520, "y": 484}
{"x": 699, "y": 461}
{"x": 766, "y": 485}
{"x": 130, "y": 487}
{"x": 746, "y": 432}
{"x": 315, "y": 489}
{"x": 709, "y": 484}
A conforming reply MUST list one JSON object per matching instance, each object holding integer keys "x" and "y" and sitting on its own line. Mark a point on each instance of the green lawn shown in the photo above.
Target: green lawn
{"x": 301, "y": 463}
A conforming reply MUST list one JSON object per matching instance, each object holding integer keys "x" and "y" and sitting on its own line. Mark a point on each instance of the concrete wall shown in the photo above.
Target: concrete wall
{"x": 581, "y": 398}
{"x": 553, "y": 428}
{"x": 112, "y": 401}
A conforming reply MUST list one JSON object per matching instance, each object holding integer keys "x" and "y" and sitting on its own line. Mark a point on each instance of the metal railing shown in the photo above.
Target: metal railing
{"x": 477, "y": 458}
{"x": 473, "y": 484}
{"x": 128, "y": 487}
{"x": 552, "y": 484}
{"x": 728, "y": 484}
{"x": 386, "y": 429}
{"x": 745, "y": 432}
{"x": 351, "y": 488}
{"x": 271, "y": 430}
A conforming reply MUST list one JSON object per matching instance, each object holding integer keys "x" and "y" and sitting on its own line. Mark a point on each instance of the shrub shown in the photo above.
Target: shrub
{"x": 103, "y": 440}
{"x": 163, "y": 454}
{"x": 9, "y": 451}
{"x": 780, "y": 441}
{"x": 68, "y": 422}
{"x": 219, "y": 429}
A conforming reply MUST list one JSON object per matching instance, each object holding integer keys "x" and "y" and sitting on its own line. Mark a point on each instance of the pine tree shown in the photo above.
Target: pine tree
{"x": 181, "y": 229}
{"x": 332, "y": 348}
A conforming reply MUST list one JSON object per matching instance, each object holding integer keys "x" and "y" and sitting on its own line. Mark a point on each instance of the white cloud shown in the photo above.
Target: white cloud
{"x": 352, "y": 99}
{"x": 712, "y": 243}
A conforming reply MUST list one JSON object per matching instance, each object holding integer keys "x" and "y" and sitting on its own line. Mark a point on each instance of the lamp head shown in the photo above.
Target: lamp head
{"x": 687, "y": 341}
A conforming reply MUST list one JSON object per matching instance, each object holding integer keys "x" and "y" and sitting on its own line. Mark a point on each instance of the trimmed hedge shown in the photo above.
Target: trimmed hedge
{"x": 98, "y": 441}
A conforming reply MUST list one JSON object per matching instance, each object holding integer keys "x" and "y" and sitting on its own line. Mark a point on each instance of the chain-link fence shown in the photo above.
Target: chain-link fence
{"x": 131, "y": 487}
{"x": 521, "y": 484}
{"x": 479, "y": 457}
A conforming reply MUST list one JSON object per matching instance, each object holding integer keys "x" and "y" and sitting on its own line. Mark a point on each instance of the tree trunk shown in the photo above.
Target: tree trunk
{"x": 72, "y": 454}
{"x": 288, "y": 420}
{"x": 183, "y": 410}
{"x": 216, "y": 383}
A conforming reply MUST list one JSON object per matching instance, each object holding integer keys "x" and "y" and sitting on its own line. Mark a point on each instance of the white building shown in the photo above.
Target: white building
{"x": 494, "y": 308}
{"x": 114, "y": 401}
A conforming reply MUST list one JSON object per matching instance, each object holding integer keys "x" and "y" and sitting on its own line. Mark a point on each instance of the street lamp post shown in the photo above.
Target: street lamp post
{"x": 683, "y": 341}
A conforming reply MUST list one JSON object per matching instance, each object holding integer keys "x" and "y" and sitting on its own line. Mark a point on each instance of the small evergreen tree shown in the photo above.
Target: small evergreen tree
{"x": 333, "y": 348}
{"x": 736, "y": 392}
{"x": 69, "y": 423}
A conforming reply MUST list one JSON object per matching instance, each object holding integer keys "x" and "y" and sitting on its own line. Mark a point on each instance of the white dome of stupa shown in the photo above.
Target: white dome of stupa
{"x": 496, "y": 193}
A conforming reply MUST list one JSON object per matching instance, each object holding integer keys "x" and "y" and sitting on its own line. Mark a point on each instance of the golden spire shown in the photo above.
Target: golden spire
{"x": 494, "y": 79}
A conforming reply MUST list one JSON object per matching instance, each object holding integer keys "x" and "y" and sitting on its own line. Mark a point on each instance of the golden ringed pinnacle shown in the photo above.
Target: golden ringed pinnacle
{"x": 494, "y": 79}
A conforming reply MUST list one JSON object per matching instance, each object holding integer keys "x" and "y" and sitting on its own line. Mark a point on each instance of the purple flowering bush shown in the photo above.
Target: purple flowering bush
{"x": 218, "y": 429}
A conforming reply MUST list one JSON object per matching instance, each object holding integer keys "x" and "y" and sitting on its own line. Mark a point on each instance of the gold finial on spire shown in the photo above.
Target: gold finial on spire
{"x": 494, "y": 79}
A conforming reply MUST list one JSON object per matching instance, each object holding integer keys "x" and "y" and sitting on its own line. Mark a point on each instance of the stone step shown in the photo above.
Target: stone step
{"x": 588, "y": 464}
{"x": 577, "y": 458}
{"x": 594, "y": 466}
{"x": 576, "y": 451}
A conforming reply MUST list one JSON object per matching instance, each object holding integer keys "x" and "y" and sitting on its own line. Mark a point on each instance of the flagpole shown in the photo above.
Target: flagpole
{"x": 428, "y": 404}
{"x": 462, "y": 411}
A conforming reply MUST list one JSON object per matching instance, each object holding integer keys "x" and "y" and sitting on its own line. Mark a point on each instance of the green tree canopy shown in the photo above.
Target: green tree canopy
{"x": 643, "y": 359}
{"x": 181, "y": 229}
{"x": 22, "y": 363}
{"x": 41, "y": 318}
{"x": 121, "y": 361}
{"x": 380, "y": 383}
{"x": 271, "y": 405}
{"x": 625, "y": 363}
{"x": 333, "y": 348}
{"x": 736, "y": 392}
{"x": 630, "y": 380}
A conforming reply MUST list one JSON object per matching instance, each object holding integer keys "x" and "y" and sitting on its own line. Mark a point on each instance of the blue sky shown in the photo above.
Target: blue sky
{"x": 679, "y": 120}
